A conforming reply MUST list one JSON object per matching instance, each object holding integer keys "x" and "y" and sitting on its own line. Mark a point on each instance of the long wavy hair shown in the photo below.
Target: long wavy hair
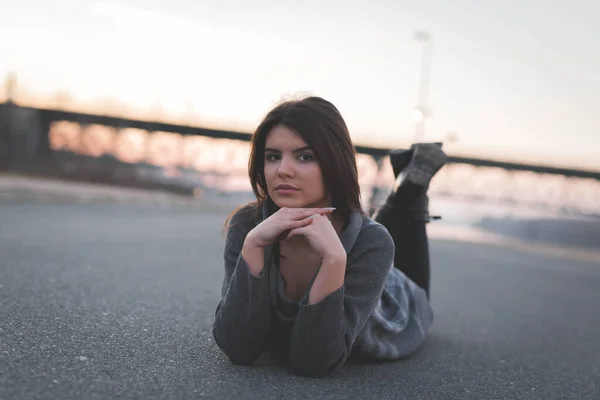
{"x": 322, "y": 127}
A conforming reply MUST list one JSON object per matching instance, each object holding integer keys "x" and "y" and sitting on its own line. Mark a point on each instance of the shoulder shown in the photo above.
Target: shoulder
{"x": 372, "y": 233}
{"x": 374, "y": 247}
{"x": 241, "y": 221}
{"x": 371, "y": 257}
{"x": 236, "y": 228}
{"x": 245, "y": 214}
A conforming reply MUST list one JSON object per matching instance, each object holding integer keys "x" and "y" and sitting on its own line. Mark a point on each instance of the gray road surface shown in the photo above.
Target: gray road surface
{"x": 117, "y": 301}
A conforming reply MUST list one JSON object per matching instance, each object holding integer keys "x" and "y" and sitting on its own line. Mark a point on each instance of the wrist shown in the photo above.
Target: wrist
{"x": 330, "y": 277}
{"x": 335, "y": 258}
{"x": 254, "y": 257}
{"x": 335, "y": 254}
{"x": 252, "y": 242}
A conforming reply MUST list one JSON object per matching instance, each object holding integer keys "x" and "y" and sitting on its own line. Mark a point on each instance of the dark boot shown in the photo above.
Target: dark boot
{"x": 414, "y": 170}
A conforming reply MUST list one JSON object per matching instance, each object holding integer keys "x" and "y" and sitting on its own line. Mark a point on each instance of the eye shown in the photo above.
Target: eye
{"x": 306, "y": 157}
{"x": 272, "y": 157}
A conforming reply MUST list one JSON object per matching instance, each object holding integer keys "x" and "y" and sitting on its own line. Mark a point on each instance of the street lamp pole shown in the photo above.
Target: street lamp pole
{"x": 422, "y": 110}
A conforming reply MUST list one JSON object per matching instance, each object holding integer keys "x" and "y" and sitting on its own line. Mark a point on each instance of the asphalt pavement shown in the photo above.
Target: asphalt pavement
{"x": 116, "y": 300}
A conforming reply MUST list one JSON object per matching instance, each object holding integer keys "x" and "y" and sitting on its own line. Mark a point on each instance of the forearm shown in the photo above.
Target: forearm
{"x": 242, "y": 319}
{"x": 319, "y": 345}
{"x": 325, "y": 331}
{"x": 254, "y": 256}
{"x": 329, "y": 279}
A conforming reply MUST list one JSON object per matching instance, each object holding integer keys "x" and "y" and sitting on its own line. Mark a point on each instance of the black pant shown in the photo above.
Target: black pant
{"x": 412, "y": 246}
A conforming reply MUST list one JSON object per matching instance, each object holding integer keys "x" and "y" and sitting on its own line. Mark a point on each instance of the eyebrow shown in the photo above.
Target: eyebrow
{"x": 304, "y": 148}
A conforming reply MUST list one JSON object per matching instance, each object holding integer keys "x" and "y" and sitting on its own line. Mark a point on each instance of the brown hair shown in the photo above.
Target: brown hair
{"x": 322, "y": 127}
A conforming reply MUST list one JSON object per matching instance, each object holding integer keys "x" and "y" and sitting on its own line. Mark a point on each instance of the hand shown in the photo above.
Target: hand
{"x": 322, "y": 237}
{"x": 282, "y": 222}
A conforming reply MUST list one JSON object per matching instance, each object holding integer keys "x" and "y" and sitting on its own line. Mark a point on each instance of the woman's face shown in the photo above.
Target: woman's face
{"x": 292, "y": 171}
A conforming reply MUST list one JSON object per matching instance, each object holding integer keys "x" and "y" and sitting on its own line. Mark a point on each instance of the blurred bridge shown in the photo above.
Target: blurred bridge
{"x": 191, "y": 159}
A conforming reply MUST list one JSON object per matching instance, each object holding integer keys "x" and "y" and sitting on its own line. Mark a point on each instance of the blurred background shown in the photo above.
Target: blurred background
{"x": 165, "y": 95}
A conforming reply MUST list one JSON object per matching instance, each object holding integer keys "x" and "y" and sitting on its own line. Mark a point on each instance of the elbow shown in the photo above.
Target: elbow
{"x": 237, "y": 353}
{"x": 313, "y": 372}
{"x": 316, "y": 367}
{"x": 240, "y": 358}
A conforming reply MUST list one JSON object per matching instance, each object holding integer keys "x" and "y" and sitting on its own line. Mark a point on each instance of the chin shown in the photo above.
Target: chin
{"x": 296, "y": 203}
{"x": 289, "y": 203}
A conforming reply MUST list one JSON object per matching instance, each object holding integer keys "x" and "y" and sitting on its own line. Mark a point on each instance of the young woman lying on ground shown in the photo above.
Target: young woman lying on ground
{"x": 307, "y": 272}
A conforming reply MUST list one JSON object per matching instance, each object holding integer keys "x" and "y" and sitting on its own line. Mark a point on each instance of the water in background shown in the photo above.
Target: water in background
{"x": 524, "y": 205}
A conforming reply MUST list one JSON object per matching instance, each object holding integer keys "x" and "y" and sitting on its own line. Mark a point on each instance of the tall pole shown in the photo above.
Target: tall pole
{"x": 422, "y": 109}
{"x": 10, "y": 83}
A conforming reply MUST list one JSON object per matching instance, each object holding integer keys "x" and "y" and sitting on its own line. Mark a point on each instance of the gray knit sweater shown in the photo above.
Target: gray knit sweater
{"x": 378, "y": 314}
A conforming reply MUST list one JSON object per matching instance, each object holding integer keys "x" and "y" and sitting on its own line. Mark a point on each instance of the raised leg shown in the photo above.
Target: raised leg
{"x": 406, "y": 211}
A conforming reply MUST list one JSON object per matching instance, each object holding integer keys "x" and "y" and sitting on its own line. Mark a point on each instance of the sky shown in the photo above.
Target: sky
{"x": 511, "y": 80}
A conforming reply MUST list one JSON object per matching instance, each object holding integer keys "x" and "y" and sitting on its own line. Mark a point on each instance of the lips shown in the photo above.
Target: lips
{"x": 285, "y": 187}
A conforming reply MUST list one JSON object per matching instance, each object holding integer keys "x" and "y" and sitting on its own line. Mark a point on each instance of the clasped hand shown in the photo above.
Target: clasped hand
{"x": 311, "y": 223}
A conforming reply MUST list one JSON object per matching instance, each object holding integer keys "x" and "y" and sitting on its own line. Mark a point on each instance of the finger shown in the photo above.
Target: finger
{"x": 302, "y": 222}
{"x": 307, "y": 212}
{"x": 316, "y": 210}
{"x": 324, "y": 211}
{"x": 289, "y": 225}
{"x": 284, "y": 235}
{"x": 319, "y": 217}
{"x": 322, "y": 222}
{"x": 298, "y": 232}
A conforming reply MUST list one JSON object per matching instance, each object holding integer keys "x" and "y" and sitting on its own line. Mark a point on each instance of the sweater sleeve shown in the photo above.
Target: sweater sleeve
{"x": 242, "y": 318}
{"x": 324, "y": 333}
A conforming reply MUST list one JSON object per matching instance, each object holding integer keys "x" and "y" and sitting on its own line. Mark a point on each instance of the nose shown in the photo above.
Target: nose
{"x": 286, "y": 166}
